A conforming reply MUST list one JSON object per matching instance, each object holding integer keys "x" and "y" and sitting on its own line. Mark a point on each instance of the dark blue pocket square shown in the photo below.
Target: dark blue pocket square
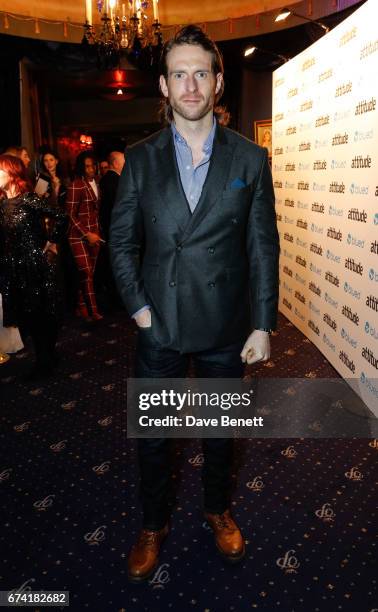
{"x": 237, "y": 184}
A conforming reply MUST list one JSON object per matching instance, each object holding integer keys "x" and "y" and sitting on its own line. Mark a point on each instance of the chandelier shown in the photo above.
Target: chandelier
{"x": 132, "y": 28}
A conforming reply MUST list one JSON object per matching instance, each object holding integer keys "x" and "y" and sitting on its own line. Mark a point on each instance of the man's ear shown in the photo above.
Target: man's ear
{"x": 219, "y": 84}
{"x": 163, "y": 86}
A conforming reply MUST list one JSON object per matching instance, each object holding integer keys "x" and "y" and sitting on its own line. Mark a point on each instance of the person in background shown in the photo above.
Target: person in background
{"x": 21, "y": 153}
{"x": 54, "y": 187}
{"x": 103, "y": 167}
{"x": 31, "y": 295}
{"x": 82, "y": 206}
{"x": 108, "y": 187}
{"x": 57, "y": 186}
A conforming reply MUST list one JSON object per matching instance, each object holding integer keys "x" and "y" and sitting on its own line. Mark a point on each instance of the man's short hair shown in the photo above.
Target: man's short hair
{"x": 193, "y": 35}
{"x": 112, "y": 157}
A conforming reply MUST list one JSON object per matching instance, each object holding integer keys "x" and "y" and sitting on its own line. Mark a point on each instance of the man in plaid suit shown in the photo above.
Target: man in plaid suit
{"x": 83, "y": 234}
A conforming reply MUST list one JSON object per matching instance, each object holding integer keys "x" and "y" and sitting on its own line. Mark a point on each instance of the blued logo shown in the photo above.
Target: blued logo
{"x": 371, "y": 331}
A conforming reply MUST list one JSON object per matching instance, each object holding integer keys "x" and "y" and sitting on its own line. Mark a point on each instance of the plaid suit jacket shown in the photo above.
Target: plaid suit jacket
{"x": 82, "y": 208}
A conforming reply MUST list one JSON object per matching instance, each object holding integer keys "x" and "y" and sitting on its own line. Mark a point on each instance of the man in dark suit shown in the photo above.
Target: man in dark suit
{"x": 104, "y": 280}
{"x": 195, "y": 250}
{"x": 108, "y": 187}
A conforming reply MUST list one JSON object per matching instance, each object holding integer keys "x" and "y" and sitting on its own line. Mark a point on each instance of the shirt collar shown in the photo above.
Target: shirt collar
{"x": 208, "y": 144}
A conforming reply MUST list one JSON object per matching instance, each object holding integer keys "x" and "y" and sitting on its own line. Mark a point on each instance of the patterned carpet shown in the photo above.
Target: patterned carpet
{"x": 69, "y": 513}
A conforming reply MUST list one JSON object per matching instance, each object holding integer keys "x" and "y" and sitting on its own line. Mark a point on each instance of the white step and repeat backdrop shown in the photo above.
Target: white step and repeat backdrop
{"x": 325, "y": 172}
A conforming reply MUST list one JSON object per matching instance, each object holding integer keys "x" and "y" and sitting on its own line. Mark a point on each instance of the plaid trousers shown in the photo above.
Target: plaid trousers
{"x": 85, "y": 258}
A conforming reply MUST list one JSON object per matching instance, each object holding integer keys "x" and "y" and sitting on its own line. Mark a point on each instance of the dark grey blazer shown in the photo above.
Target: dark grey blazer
{"x": 212, "y": 276}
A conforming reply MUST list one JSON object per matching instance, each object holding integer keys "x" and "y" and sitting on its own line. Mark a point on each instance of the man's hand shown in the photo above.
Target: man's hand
{"x": 92, "y": 238}
{"x": 143, "y": 319}
{"x": 50, "y": 247}
{"x": 256, "y": 348}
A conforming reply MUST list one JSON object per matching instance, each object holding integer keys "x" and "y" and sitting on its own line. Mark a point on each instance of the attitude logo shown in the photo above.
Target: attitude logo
{"x": 349, "y": 314}
{"x": 289, "y": 452}
{"x": 370, "y": 357}
{"x": 313, "y": 327}
{"x": 331, "y": 278}
{"x": 331, "y": 322}
{"x": 351, "y": 265}
{"x": 347, "y": 361}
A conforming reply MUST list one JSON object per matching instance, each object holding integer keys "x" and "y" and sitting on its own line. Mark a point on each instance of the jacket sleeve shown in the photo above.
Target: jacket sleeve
{"x": 126, "y": 240}
{"x": 74, "y": 197}
{"x": 263, "y": 251}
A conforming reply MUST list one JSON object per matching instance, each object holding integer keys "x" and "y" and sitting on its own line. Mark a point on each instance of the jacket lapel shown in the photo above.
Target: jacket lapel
{"x": 169, "y": 183}
{"x": 220, "y": 164}
{"x": 91, "y": 192}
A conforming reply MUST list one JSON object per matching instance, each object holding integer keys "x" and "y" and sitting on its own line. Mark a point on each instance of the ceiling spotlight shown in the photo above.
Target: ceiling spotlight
{"x": 285, "y": 13}
{"x": 249, "y": 51}
{"x": 282, "y": 15}
{"x": 119, "y": 92}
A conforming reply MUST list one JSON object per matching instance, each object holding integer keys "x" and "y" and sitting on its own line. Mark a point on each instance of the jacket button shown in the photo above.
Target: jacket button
{"x": 234, "y": 221}
{"x": 172, "y": 284}
{"x": 211, "y": 285}
{"x": 211, "y": 250}
{"x": 153, "y": 219}
{"x": 179, "y": 248}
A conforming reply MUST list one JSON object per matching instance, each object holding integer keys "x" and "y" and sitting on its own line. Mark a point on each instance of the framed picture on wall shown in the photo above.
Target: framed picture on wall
{"x": 263, "y": 134}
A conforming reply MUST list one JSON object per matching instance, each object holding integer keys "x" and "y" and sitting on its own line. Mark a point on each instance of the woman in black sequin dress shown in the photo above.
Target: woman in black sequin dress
{"x": 31, "y": 296}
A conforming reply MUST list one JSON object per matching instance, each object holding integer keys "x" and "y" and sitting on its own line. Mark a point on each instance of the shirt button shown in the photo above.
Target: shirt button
{"x": 179, "y": 248}
{"x": 172, "y": 284}
{"x": 234, "y": 221}
{"x": 188, "y": 167}
{"x": 153, "y": 219}
{"x": 192, "y": 197}
{"x": 211, "y": 285}
{"x": 211, "y": 250}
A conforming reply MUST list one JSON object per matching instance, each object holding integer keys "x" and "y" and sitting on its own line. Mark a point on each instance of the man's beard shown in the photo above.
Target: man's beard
{"x": 193, "y": 114}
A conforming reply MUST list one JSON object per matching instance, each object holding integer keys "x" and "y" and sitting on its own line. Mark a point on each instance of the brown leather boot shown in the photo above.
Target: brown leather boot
{"x": 228, "y": 538}
{"x": 144, "y": 554}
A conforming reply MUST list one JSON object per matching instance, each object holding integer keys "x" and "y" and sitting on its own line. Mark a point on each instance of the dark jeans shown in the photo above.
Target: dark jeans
{"x": 153, "y": 361}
